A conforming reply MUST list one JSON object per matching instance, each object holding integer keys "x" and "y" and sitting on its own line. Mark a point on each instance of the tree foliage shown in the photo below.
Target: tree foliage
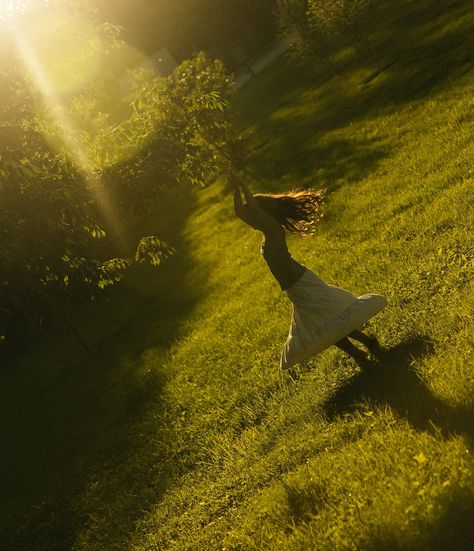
{"x": 314, "y": 28}
{"x": 47, "y": 219}
{"x": 175, "y": 133}
{"x": 52, "y": 207}
{"x": 305, "y": 38}
{"x": 343, "y": 20}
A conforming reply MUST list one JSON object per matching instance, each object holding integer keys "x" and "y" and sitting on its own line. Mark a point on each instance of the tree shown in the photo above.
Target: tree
{"x": 344, "y": 21}
{"x": 304, "y": 37}
{"x": 177, "y": 132}
{"x": 52, "y": 204}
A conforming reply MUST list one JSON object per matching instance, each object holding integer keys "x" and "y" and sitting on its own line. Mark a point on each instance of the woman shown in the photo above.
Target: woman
{"x": 323, "y": 314}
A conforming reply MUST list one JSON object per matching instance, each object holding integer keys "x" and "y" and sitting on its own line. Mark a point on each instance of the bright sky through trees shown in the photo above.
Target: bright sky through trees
{"x": 43, "y": 53}
{"x": 8, "y": 8}
{"x": 62, "y": 54}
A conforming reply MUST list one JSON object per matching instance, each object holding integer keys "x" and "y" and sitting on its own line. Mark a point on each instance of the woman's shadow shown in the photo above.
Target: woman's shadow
{"x": 394, "y": 382}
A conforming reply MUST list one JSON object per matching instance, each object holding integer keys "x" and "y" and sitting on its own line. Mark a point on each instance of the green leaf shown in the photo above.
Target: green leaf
{"x": 153, "y": 250}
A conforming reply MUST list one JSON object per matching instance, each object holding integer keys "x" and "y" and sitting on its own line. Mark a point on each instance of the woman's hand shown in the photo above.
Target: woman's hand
{"x": 238, "y": 204}
{"x": 251, "y": 201}
{"x": 242, "y": 210}
{"x": 251, "y": 213}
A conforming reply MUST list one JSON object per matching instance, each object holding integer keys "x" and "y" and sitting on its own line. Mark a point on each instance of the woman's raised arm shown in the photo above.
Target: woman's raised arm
{"x": 238, "y": 204}
{"x": 247, "y": 193}
{"x": 251, "y": 213}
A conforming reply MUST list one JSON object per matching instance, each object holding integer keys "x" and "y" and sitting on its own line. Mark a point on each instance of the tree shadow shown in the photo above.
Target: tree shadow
{"x": 69, "y": 419}
{"x": 453, "y": 530}
{"x": 415, "y": 59}
{"x": 333, "y": 161}
{"x": 395, "y": 383}
{"x": 419, "y": 50}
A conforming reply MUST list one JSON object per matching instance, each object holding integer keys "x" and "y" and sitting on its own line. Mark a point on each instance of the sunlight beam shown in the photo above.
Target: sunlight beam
{"x": 76, "y": 148}
{"x": 9, "y": 8}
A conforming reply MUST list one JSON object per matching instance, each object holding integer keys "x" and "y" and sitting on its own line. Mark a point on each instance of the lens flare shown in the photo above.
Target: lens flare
{"x": 10, "y": 8}
{"x": 51, "y": 94}
{"x": 70, "y": 52}
{"x": 64, "y": 55}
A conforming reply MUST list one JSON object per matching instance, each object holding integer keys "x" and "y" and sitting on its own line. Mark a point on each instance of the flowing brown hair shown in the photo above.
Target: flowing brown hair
{"x": 296, "y": 211}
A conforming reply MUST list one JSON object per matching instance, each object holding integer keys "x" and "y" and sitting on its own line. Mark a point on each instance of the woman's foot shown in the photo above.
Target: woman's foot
{"x": 370, "y": 342}
{"x": 361, "y": 358}
{"x": 375, "y": 348}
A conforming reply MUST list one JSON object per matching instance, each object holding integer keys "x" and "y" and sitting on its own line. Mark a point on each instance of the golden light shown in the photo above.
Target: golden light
{"x": 8, "y": 8}
{"x": 70, "y": 51}
{"x": 64, "y": 54}
{"x": 61, "y": 56}
{"x": 52, "y": 99}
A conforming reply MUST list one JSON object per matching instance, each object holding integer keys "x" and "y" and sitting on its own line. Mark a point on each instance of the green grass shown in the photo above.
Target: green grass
{"x": 180, "y": 433}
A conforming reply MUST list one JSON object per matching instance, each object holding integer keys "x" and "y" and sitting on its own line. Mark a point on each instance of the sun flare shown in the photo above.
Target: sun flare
{"x": 9, "y": 8}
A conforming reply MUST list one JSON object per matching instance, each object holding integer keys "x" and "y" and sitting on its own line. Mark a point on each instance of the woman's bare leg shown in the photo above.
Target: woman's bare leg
{"x": 346, "y": 346}
{"x": 361, "y": 337}
{"x": 370, "y": 342}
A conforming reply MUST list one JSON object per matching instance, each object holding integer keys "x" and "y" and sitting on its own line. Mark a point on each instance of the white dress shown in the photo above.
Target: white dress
{"x": 322, "y": 315}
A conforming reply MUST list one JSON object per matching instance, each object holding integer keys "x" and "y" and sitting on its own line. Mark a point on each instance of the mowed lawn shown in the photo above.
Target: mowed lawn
{"x": 179, "y": 432}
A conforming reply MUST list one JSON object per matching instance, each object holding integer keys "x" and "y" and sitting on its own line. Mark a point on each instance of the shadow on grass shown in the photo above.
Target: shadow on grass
{"x": 455, "y": 527}
{"x": 415, "y": 58}
{"x": 453, "y": 531}
{"x": 340, "y": 159}
{"x": 395, "y": 383}
{"x": 74, "y": 440}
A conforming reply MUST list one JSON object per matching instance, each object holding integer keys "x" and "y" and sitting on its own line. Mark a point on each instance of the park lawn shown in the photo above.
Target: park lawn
{"x": 179, "y": 432}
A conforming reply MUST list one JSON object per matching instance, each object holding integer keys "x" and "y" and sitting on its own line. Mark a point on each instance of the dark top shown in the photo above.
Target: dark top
{"x": 284, "y": 268}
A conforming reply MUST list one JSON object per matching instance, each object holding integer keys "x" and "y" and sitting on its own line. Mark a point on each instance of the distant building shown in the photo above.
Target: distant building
{"x": 246, "y": 43}
{"x": 259, "y": 61}
{"x": 242, "y": 34}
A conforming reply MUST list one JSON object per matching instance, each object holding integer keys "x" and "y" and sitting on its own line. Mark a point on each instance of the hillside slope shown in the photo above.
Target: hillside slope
{"x": 180, "y": 433}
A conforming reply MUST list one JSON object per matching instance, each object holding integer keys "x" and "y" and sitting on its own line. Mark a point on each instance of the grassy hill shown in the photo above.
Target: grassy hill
{"x": 179, "y": 432}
